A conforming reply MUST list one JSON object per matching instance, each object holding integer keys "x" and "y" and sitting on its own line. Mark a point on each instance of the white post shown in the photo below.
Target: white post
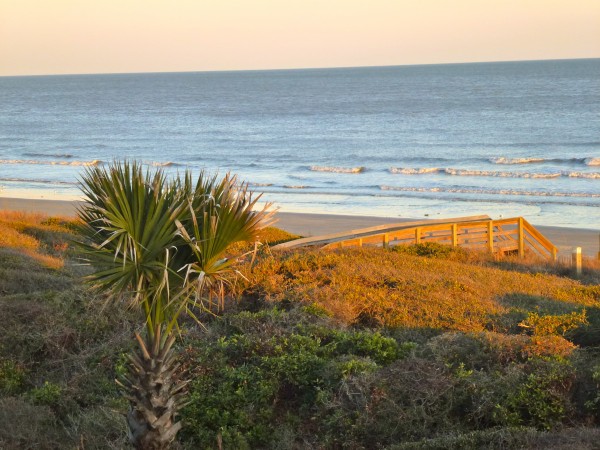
{"x": 576, "y": 258}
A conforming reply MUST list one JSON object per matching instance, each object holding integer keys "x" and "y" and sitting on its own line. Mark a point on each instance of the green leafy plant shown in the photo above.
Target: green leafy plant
{"x": 161, "y": 243}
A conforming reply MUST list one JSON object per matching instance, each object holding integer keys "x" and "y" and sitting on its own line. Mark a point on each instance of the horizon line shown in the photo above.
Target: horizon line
{"x": 297, "y": 68}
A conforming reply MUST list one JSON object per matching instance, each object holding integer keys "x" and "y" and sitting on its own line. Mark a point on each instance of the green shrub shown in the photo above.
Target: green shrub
{"x": 542, "y": 399}
{"x": 12, "y": 377}
{"x": 47, "y": 394}
{"x": 431, "y": 250}
{"x": 272, "y": 370}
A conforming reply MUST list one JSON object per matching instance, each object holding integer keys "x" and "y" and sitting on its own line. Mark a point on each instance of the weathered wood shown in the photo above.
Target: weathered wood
{"x": 502, "y": 236}
{"x": 577, "y": 260}
{"x": 454, "y": 235}
{"x": 542, "y": 251}
{"x": 521, "y": 239}
{"x": 379, "y": 229}
{"x": 490, "y": 232}
{"x": 540, "y": 237}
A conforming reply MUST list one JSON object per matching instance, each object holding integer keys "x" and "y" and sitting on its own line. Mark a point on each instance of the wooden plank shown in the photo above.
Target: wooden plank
{"x": 500, "y": 235}
{"x": 439, "y": 239}
{"x": 539, "y": 236}
{"x": 521, "y": 240}
{"x": 454, "y": 235}
{"x": 536, "y": 246}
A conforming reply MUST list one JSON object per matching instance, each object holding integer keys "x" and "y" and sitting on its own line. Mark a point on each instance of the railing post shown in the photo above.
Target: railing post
{"x": 577, "y": 260}
{"x": 360, "y": 242}
{"x": 386, "y": 240}
{"x": 490, "y": 227}
{"x": 554, "y": 254}
{"x": 454, "y": 235}
{"x": 417, "y": 235}
{"x": 521, "y": 239}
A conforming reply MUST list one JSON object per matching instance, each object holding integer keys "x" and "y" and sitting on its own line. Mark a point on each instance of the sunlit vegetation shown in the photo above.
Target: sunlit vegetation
{"x": 41, "y": 238}
{"x": 413, "y": 348}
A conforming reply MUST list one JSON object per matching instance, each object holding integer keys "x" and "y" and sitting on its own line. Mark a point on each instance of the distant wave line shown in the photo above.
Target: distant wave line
{"x": 48, "y": 155}
{"x": 299, "y": 186}
{"x": 31, "y": 180}
{"x": 359, "y": 169}
{"x": 95, "y": 162}
{"x": 490, "y": 191}
{"x": 91, "y": 163}
{"x": 492, "y": 173}
{"x": 588, "y": 161}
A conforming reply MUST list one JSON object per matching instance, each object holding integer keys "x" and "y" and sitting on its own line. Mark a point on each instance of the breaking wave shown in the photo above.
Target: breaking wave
{"x": 489, "y": 191}
{"x": 590, "y": 161}
{"x": 337, "y": 169}
{"x": 95, "y": 162}
{"x": 414, "y": 171}
{"x": 297, "y": 186}
{"x": 162, "y": 164}
{"x": 493, "y": 173}
{"x": 503, "y": 160}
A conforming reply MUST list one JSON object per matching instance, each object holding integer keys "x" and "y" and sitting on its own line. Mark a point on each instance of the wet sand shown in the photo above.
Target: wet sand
{"x": 317, "y": 224}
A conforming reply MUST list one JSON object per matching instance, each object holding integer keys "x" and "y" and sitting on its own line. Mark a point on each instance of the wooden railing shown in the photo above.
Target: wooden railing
{"x": 514, "y": 235}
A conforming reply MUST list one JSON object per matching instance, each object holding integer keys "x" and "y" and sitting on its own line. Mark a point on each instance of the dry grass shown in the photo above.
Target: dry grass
{"x": 373, "y": 285}
{"x": 40, "y": 237}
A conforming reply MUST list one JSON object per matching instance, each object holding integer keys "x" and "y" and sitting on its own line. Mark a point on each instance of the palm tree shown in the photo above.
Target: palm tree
{"x": 161, "y": 243}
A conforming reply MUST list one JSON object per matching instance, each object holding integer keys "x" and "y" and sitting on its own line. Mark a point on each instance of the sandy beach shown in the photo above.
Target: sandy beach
{"x": 306, "y": 224}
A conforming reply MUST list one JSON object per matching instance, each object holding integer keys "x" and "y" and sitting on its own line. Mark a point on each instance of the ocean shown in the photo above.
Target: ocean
{"x": 504, "y": 139}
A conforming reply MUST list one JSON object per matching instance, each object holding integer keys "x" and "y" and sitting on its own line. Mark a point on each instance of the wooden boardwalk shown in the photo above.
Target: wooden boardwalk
{"x": 514, "y": 235}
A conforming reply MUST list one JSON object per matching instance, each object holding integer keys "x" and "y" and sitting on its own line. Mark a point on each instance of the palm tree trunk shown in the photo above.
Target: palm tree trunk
{"x": 154, "y": 394}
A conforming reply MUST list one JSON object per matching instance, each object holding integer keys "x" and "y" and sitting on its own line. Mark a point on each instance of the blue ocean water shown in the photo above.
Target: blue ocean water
{"x": 504, "y": 139}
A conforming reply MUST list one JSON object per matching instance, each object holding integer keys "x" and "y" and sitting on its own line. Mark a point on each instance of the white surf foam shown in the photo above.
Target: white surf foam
{"x": 414, "y": 171}
{"x": 490, "y": 191}
{"x": 503, "y": 160}
{"x": 337, "y": 169}
{"x": 94, "y": 162}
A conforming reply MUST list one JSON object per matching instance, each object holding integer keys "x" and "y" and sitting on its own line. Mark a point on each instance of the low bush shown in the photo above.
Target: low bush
{"x": 357, "y": 348}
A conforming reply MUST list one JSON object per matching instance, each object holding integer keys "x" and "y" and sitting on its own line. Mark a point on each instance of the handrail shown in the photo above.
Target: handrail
{"x": 387, "y": 228}
{"x": 477, "y": 231}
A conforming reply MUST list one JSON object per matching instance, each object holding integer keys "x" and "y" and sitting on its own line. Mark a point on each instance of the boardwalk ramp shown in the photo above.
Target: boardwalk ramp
{"x": 514, "y": 235}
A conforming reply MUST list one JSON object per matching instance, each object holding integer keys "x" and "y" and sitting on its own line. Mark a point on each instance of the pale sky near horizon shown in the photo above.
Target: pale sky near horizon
{"x": 107, "y": 36}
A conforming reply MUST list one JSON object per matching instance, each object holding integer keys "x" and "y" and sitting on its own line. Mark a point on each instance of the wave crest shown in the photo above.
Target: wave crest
{"x": 489, "y": 191}
{"x": 592, "y": 161}
{"x": 415, "y": 171}
{"x": 494, "y": 173}
{"x": 95, "y": 162}
{"x": 163, "y": 164}
{"x": 503, "y": 160}
{"x": 337, "y": 169}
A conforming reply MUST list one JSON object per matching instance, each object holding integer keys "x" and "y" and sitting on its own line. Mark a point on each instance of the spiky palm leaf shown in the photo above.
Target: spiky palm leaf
{"x": 223, "y": 213}
{"x": 162, "y": 243}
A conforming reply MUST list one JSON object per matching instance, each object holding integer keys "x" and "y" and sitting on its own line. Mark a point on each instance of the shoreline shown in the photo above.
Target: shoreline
{"x": 314, "y": 224}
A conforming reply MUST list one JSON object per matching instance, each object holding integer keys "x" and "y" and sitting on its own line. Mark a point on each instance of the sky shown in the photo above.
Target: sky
{"x": 107, "y": 36}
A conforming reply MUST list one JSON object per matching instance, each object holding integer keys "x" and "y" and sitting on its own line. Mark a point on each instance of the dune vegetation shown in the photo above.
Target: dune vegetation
{"x": 422, "y": 347}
